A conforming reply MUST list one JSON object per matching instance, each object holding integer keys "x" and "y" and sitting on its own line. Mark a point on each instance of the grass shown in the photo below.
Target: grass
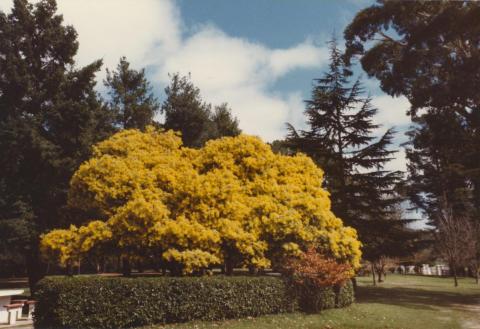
{"x": 402, "y": 302}
{"x": 408, "y": 302}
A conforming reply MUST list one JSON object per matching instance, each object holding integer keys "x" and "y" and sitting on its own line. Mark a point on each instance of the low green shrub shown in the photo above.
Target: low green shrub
{"x": 314, "y": 299}
{"x": 99, "y": 302}
{"x": 345, "y": 295}
{"x": 102, "y": 302}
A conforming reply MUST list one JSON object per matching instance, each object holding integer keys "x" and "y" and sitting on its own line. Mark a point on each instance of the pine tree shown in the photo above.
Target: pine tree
{"x": 131, "y": 96}
{"x": 50, "y": 115}
{"x": 186, "y": 112}
{"x": 340, "y": 140}
{"x": 224, "y": 123}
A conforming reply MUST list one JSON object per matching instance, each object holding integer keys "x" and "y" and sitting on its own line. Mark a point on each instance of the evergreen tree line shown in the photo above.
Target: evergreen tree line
{"x": 51, "y": 115}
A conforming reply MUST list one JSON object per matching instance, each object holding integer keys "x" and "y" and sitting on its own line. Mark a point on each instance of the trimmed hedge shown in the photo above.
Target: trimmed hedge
{"x": 345, "y": 295}
{"x": 312, "y": 300}
{"x": 101, "y": 302}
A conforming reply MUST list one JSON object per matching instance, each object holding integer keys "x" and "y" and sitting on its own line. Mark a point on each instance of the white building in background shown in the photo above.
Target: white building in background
{"x": 438, "y": 270}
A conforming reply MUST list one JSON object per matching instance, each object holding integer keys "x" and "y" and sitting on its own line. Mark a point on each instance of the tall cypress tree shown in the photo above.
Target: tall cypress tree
{"x": 50, "y": 116}
{"x": 131, "y": 97}
{"x": 340, "y": 140}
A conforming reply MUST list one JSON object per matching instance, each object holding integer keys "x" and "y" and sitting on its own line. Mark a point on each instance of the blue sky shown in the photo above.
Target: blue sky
{"x": 260, "y": 56}
{"x": 281, "y": 24}
{"x": 277, "y": 24}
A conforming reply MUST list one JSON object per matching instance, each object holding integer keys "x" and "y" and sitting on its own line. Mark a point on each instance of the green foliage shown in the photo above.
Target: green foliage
{"x": 93, "y": 302}
{"x": 312, "y": 299}
{"x": 16, "y": 229}
{"x": 428, "y": 51}
{"x": 131, "y": 97}
{"x": 403, "y": 301}
{"x": 224, "y": 123}
{"x": 345, "y": 294}
{"x": 425, "y": 50}
{"x": 50, "y": 115}
{"x": 186, "y": 112}
{"x": 437, "y": 166}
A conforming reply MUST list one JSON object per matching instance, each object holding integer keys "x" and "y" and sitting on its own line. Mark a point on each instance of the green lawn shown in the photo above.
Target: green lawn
{"x": 407, "y": 302}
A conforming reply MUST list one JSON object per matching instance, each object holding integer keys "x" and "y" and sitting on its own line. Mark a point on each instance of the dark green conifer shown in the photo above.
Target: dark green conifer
{"x": 50, "y": 116}
{"x": 340, "y": 138}
{"x": 131, "y": 97}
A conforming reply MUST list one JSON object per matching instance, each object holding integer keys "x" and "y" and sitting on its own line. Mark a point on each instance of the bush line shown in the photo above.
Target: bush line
{"x": 100, "y": 302}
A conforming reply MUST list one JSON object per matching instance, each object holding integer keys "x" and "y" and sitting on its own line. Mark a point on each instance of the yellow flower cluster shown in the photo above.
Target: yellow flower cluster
{"x": 233, "y": 201}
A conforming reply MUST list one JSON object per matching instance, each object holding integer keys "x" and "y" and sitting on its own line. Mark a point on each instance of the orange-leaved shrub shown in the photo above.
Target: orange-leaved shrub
{"x": 315, "y": 278}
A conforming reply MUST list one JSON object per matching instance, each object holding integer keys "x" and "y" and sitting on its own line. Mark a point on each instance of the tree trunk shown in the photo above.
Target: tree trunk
{"x": 373, "y": 275}
{"x": 455, "y": 276}
{"x": 379, "y": 276}
{"x": 354, "y": 283}
{"x": 126, "y": 268}
{"x": 119, "y": 264}
{"x": 35, "y": 267}
{"x": 156, "y": 265}
{"x": 69, "y": 269}
{"x": 228, "y": 267}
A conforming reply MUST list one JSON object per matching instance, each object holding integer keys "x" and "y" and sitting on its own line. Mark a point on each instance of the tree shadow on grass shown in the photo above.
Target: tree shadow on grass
{"x": 415, "y": 298}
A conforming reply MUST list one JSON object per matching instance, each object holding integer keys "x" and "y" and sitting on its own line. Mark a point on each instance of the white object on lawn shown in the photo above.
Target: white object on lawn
{"x": 5, "y": 298}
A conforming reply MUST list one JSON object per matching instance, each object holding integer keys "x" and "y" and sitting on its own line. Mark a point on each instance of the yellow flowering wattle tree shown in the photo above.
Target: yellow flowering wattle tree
{"x": 233, "y": 203}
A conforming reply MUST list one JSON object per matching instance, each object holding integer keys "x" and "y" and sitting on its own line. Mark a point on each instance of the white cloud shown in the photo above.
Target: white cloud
{"x": 304, "y": 55}
{"x": 109, "y": 29}
{"x": 399, "y": 162}
{"x": 392, "y": 114}
{"x": 225, "y": 68}
{"x": 5, "y": 5}
{"x": 236, "y": 70}
{"x": 392, "y": 111}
